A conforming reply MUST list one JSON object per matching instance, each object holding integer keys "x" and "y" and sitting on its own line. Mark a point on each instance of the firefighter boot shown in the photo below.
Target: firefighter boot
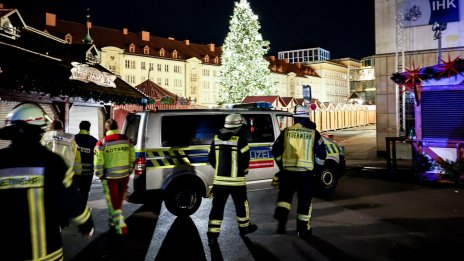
{"x": 247, "y": 230}
{"x": 305, "y": 235}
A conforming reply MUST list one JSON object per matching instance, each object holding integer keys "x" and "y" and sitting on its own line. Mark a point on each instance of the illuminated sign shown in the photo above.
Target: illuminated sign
{"x": 427, "y": 12}
{"x": 85, "y": 73}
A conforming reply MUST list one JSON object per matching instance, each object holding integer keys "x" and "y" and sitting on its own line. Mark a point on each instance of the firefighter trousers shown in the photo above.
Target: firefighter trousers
{"x": 83, "y": 183}
{"x": 301, "y": 182}
{"x": 220, "y": 196}
{"x": 115, "y": 190}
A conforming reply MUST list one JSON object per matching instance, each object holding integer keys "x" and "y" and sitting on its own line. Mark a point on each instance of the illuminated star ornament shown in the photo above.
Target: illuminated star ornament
{"x": 413, "y": 81}
{"x": 449, "y": 67}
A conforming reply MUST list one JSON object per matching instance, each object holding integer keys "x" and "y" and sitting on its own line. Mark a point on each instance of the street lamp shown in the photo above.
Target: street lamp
{"x": 438, "y": 28}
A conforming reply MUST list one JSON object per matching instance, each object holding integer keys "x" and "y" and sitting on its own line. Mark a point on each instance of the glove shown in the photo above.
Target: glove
{"x": 87, "y": 228}
{"x": 275, "y": 182}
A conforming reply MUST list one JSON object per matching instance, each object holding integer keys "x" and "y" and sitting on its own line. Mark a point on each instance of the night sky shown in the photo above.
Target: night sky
{"x": 345, "y": 28}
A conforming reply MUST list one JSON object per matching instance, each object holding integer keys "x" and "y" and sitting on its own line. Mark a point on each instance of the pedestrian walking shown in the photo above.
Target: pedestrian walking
{"x": 298, "y": 151}
{"x": 63, "y": 144}
{"x": 36, "y": 199}
{"x": 113, "y": 163}
{"x": 229, "y": 155}
{"x": 85, "y": 145}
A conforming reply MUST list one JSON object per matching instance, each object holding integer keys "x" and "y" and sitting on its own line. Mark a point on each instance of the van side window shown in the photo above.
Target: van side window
{"x": 260, "y": 128}
{"x": 132, "y": 127}
{"x": 187, "y": 130}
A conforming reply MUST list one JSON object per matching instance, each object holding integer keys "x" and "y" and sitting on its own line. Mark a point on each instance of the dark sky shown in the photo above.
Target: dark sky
{"x": 343, "y": 27}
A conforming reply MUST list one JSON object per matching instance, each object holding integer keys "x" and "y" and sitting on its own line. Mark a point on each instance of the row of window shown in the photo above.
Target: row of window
{"x": 130, "y": 64}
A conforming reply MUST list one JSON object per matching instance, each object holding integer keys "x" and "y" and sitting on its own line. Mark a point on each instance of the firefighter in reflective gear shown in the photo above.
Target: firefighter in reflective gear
{"x": 35, "y": 197}
{"x": 85, "y": 145}
{"x": 229, "y": 155}
{"x": 298, "y": 151}
{"x": 113, "y": 163}
{"x": 63, "y": 144}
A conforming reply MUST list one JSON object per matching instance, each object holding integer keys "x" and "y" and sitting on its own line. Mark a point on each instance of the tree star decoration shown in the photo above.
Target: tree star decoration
{"x": 449, "y": 67}
{"x": 413, "y": 81}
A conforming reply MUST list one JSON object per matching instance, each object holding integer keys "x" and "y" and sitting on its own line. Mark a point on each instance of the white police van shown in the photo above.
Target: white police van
{"x": 172, "y": 153}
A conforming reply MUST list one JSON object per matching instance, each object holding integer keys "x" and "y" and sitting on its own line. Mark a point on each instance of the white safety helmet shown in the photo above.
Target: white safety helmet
{"x": 29, "y": 113}
{"x": 301, "y": 111}
{"x": 233, "y": 120}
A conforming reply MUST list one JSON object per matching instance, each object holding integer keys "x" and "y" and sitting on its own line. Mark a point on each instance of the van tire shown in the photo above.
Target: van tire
{"x": 327, "y": 179}
{"x": 182, "y": 198}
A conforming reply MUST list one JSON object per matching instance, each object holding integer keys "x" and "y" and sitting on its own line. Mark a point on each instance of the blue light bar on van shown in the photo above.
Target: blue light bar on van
{"x": 255, "y": 105}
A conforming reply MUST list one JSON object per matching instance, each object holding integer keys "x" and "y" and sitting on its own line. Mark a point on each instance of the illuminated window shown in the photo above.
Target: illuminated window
{"x": 146, "y": 50}
{"x": 206, "y": 59}
{"x": 216, "y": 60}
{"x": 161, "y": 52}
{"x": 174, "y": 54}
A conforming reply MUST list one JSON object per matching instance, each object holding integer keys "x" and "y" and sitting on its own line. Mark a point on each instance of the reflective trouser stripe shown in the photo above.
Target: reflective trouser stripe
{"x": 37, "y": 222}
{"x": 306, "y": 218}
{"x": 244, "y": 221}
{"x": 214, "y": 226}
{"x": 82, "y": 218}
{"x": 282, "y": 204}
{"x": 68, "y": 177}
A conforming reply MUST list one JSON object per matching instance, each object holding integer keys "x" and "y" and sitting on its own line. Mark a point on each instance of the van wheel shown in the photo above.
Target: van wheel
{"x": 182, "y": 198}
{"x": 327, "y": 180}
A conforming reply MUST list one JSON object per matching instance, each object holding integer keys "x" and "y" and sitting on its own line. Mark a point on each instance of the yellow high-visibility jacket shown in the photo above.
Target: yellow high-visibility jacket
{"x": 114, "y": 156}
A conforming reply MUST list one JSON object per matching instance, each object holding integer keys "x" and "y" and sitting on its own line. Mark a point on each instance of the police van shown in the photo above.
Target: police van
{"x": 172, "y": 153}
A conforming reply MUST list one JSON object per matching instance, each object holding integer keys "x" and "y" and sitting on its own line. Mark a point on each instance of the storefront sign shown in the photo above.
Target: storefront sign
{"x": 427, "y": 12}
{"x": 85, "y": 73}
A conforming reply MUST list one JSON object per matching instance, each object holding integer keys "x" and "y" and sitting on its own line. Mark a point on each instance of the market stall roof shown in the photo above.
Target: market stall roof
{"x": 154, "y": 91}
{"x": 439, "y": 72}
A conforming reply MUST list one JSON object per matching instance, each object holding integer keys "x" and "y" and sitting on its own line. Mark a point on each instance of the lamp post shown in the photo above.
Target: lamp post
{"x": 438, "y": 28}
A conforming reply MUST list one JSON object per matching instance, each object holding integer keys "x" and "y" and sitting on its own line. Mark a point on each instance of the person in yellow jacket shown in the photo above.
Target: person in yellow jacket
{"x": 63, "y": 144}
{"x": 113, "y": 163}
{"x": 298, "y": 151}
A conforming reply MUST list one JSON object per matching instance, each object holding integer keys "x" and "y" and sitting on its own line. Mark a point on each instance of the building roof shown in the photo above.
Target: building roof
{"x": 123, "y": 39}
{"x": 284, "y": 67}
{"x": 271, "y": 99}
{"x": 154, "y": 91}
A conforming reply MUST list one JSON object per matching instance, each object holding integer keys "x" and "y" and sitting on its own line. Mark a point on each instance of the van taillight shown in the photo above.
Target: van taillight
{"x": 139, "y": 166}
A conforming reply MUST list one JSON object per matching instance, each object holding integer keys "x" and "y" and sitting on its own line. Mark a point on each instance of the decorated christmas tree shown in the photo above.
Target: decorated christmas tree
{"x": 244, "y": 70}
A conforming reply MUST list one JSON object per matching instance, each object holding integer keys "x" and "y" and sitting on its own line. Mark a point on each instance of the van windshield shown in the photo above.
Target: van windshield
{"x": 132, "y": 127}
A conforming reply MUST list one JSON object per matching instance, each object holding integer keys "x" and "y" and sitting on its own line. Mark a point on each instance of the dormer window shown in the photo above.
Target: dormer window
{"x": 280, "y": 68}
{"x": 274, "y": 68}
{"x": 206, "y": 59}
{"x": 132, "y": 48}
{"x": 146, "y": 50}
{"x": 68, "y": 38}
{"x": 216, "y": 60}
{"x": 174, "y": 54}
{"x": 162, "y": 52}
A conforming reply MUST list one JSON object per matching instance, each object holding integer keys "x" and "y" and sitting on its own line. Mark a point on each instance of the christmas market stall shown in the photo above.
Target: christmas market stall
{"x": 438, "y": 136}
{"x": 65, "y": 79}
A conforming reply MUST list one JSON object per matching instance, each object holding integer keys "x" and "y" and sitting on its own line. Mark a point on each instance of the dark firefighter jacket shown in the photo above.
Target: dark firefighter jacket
{"x": 35, "y": 202}
{"x": 230, "y": 156}
{"x": 86, "y": 144}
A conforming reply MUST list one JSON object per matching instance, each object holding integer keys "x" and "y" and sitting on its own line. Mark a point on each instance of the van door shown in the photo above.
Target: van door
{"x": 260, "y": 141}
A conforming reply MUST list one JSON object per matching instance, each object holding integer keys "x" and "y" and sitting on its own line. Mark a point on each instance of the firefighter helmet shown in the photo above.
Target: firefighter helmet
{"x": 29, "y": 113}
{"x": 233, "y": 120}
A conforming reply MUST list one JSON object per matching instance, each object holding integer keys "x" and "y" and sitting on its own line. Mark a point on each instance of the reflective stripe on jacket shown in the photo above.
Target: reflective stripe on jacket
{"x": 230, "y": 159}
{"x": 36, "y": 203}
{"x": 114, "y": 156}
{"x": 86, "y": 145}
